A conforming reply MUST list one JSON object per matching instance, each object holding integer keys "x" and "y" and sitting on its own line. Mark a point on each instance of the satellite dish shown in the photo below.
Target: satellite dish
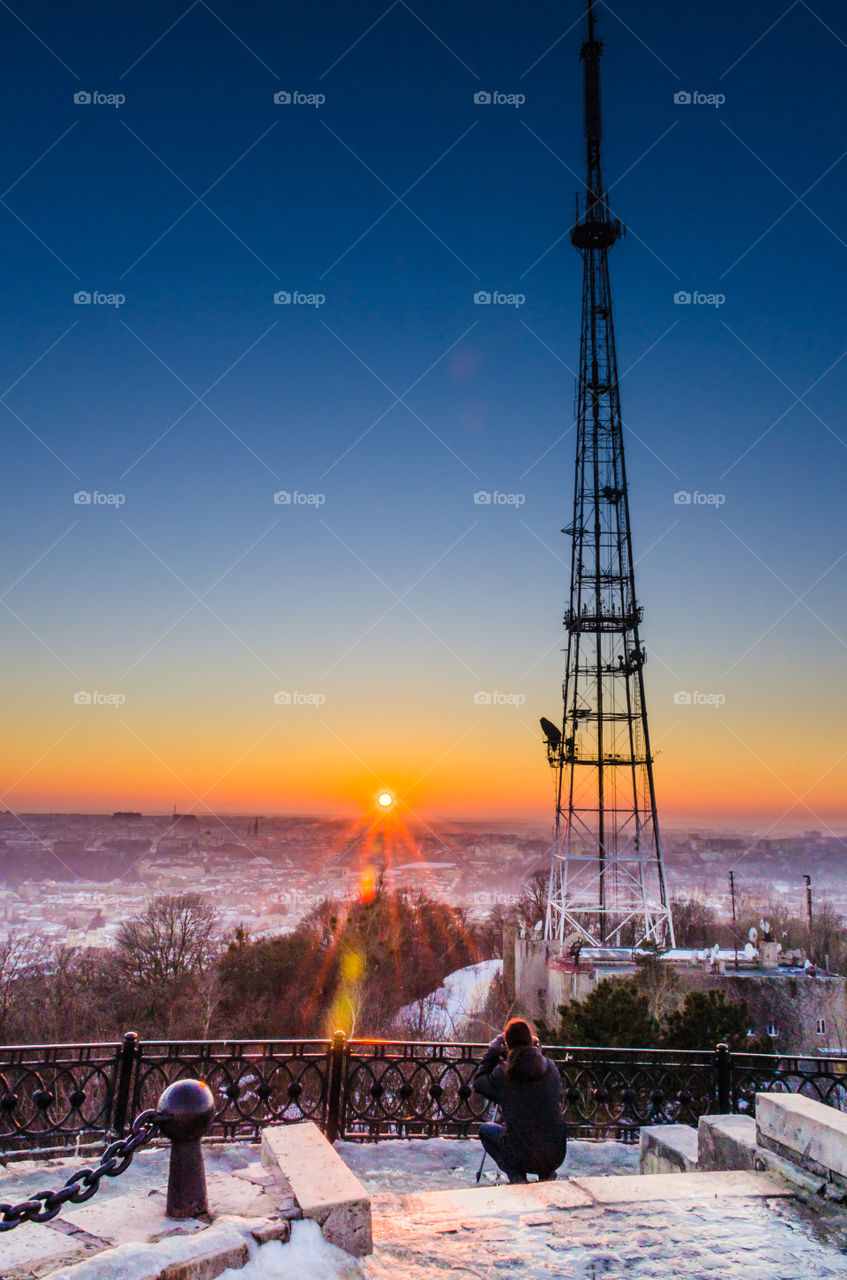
{"x": 753, "y": 935}
{"x": 537, "y": 927}
{"x": 551, "y": 733}
{"x": 749, "y": 951}
{"x": 713, "y": 954}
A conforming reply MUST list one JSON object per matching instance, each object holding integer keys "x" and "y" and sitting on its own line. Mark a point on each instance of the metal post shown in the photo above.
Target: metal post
{"x": 724, "y": 1073}
{"x": 126, "y": 1063}
{"x": 336, "y": 1072}
{"x": 186, "y": 1110}
{"x": 808, "y": 880}
{"x": 734, "y": 929}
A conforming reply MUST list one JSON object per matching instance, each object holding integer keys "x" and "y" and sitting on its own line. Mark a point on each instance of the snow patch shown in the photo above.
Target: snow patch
{"x": 306, "y": 1254}
{"x": 461, "y": 994}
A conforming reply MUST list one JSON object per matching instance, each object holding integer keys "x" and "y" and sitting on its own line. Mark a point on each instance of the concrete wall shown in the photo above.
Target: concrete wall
{"x": 531, "y": 985}
{"x": 540, "y": 989}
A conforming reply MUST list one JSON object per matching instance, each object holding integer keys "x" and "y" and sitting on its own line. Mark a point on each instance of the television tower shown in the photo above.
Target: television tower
{"x": 607, "y": 881}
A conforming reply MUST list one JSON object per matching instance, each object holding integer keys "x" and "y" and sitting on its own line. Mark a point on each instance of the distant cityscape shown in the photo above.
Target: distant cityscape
{"x": 74, "y": 878}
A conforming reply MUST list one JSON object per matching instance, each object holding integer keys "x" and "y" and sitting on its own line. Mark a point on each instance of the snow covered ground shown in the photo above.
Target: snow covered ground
{"x": 436, "y": 1164}
{"x": 463, "y": 992}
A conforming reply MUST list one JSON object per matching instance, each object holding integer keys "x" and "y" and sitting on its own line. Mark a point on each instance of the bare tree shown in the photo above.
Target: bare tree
{"x": 171, "y": 939}
{"x": 21, "y": 954}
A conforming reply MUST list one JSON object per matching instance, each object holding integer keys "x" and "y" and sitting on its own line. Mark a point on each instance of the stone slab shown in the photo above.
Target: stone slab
{"x": 668, "y": 1148}
{"x": 126, "y": 1219}
{"x": 325, "y": 1189}
{"x": 199, "y": 1257}
{"x": 634, "y": 1188}
{"x": 36, "y": 1244}
{"x": 726, "y": 1142}
{"x": 803, "y": 1130}
{"x": 491, "y": 1202}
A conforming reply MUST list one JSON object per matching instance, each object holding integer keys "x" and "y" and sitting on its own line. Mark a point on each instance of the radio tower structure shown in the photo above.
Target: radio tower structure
{"x": 607, "y": 882}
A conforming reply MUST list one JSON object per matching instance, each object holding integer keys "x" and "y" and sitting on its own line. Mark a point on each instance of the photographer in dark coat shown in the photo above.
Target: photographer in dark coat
{"x": 527, "y": 1088}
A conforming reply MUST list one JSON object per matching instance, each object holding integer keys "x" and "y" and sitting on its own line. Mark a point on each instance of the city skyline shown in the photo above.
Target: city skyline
{"x": 297, "y": 656}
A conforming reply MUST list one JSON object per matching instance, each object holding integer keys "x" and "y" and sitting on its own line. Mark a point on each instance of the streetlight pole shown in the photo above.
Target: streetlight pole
{"x": 808, "y": 880}
{"x": 734, "y": 930}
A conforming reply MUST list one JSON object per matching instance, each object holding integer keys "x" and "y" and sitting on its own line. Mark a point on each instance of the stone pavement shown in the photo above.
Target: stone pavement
{"x": 131, "y": 1208}
{"x": 714, "y": 1226}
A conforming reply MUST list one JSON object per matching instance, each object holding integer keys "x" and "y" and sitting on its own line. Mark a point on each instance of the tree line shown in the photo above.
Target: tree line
{"x": 352, "y": 965}
{"x": 347, "y": 965}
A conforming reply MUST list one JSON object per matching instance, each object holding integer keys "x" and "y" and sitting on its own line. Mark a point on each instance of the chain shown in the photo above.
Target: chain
{"x": 45, "y": 1205}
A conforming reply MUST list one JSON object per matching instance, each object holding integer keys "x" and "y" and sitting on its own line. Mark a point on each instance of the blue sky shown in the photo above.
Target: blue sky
{"x": 396, "y": 399}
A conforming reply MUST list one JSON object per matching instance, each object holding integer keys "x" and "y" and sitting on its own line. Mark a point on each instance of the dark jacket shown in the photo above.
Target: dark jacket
{"x": 528, "y": 1091}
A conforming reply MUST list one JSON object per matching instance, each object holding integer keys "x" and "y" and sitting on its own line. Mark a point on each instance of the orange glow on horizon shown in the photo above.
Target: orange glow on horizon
{"x": 489, "y": 770}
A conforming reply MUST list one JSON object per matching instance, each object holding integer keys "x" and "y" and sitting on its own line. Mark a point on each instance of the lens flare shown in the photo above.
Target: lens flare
{"x": 386, "y": 800}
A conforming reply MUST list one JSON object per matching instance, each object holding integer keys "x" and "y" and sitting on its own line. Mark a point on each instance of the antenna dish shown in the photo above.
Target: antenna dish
{"x": 551, "y": 733}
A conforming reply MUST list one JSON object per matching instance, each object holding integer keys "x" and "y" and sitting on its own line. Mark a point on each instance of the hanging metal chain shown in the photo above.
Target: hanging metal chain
{"x": 117, "y": 1157}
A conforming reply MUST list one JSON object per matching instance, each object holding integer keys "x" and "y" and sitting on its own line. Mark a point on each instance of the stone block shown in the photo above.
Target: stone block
{"x": 280, "y": 1230}
{"x": 324, "y": 1188}
{"x": 635, "y": 1188}
{"x": 206, "y": 1266}
{"x": 726, "y": 1142}
{"x": 668, "y": 1148}
{"x": 807, "y": 1132}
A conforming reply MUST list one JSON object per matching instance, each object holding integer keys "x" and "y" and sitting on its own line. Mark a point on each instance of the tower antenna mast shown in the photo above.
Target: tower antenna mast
{"x": 607, "y": 880}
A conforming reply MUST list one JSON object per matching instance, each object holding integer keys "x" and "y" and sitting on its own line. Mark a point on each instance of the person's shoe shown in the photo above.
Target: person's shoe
{"x": 548, "y": 1177}
{"x": 516, "y": 1177}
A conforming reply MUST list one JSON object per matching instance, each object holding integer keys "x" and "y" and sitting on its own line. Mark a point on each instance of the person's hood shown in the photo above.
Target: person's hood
{"x": 526, "y": 1063}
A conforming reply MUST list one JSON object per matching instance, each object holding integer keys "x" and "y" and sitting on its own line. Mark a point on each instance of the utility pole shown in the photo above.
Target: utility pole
{"x": 808, "y": 880}
{"x": 734, "y": 929}
{"x": 607, "y": 876}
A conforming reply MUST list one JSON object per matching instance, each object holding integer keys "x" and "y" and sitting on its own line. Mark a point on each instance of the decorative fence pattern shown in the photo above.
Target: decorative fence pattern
{"x": 66, "y": 1096}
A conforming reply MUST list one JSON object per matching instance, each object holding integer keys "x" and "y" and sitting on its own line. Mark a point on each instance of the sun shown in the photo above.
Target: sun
{"x": 386, "y": 800}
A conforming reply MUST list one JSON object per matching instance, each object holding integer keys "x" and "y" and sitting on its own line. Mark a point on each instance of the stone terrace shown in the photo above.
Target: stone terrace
{"x": 694, "y": 1226}
{"x": 686, "y": 1226}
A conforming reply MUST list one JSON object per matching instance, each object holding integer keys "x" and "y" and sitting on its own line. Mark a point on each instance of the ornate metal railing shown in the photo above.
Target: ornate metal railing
{"x": 67, "y": 1096}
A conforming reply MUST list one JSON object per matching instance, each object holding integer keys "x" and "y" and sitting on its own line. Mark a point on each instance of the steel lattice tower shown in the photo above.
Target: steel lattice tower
{"x": 607, "y": 882}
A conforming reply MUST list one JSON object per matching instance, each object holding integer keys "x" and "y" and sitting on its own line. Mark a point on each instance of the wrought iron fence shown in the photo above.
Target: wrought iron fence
{"x": 64, "y": 1097}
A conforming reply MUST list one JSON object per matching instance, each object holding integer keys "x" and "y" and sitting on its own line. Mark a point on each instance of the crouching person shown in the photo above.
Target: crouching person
{"x": 527, "y": 1087}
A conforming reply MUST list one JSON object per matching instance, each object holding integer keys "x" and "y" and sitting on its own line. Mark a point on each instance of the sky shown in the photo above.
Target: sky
{"x": 281, "y": 216}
